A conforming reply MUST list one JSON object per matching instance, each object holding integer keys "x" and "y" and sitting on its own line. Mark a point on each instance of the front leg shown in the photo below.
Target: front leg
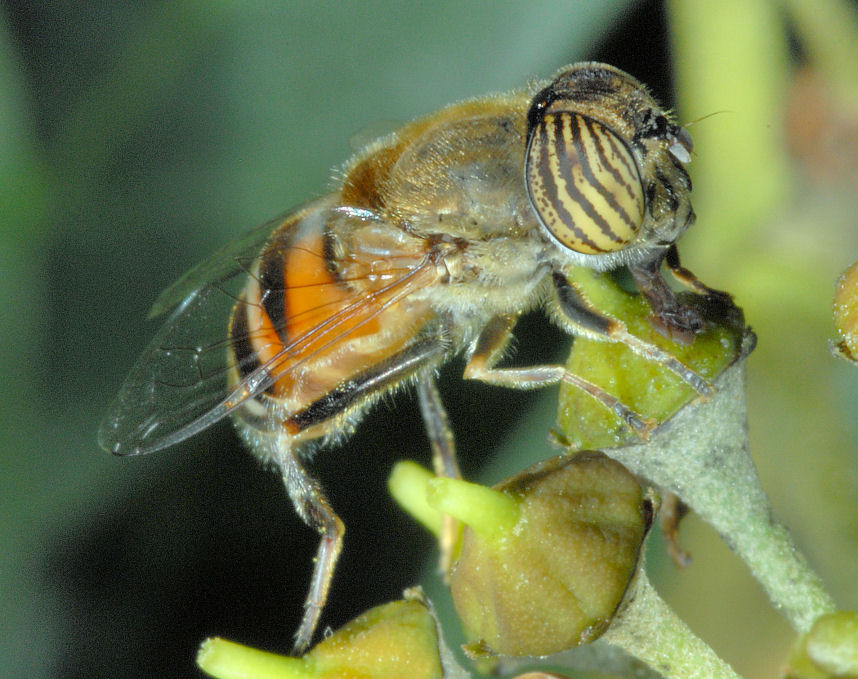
{"x": 684, "y": 276}
{"x": 580, "y": 318}
{"x": 670, "y": 317}
{"x": 677, "y": 319}
{"x": 716, "y": 305}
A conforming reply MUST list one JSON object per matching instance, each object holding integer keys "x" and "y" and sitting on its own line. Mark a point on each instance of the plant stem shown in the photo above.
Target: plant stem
{"x": 701, "y": 455}
{"x": 228, "y": 660}
{"x": 648, "y": 629}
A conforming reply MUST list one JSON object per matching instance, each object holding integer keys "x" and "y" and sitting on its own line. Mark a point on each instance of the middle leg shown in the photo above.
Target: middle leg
{"x": 443, "y": 459}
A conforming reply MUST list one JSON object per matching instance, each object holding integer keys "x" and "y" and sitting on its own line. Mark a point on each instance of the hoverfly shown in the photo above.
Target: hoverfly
{"x": 438, "y": 237}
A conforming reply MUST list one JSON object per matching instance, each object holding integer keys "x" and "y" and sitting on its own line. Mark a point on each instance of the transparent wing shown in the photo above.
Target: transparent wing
{"x": 179, "y": 385}
{"x": 229, "y": 262}
{"x": 181, "y": 377}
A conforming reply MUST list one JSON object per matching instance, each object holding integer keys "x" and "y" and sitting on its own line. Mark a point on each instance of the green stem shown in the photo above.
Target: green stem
{"x": 489, "y": 512}
{"x": 648, "y": 629}
{"x": 701, "y": 455}
{"x": 227, "y": 660}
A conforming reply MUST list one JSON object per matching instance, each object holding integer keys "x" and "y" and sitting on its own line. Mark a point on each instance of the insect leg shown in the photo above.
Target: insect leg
{"x": 313, "y": 507}
{"x": 716, "y": 304}
{"x": 684, "y": 276}
{"x": 443, "y": 458}
{"x": 582, "y": 319}
{"x": 488, "y": 349}
{"x": 306, "y": 493}
{"x": 672, "y": 318}
{"x": 437, "y": 428}
{"x": 672, "y": 511}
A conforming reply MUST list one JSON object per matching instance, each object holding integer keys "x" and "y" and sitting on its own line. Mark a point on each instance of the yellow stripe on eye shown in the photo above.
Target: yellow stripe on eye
{"x": 584, "y": 183}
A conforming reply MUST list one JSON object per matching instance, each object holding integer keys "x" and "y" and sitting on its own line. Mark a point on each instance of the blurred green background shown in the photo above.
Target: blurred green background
{"x": 135, "y": 138}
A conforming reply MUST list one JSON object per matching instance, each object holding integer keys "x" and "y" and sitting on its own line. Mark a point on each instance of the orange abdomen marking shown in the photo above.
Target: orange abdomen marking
{"x": 313, "y": 330}
{"x": 314, "y": 298}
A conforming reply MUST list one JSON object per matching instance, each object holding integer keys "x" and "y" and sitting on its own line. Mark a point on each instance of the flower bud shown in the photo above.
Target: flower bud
{"x": 392, "y": 641}
{"x": 829, "y": 649}
{"x": 846, "y": 313}
{"x": 644, "y": 385}
{"x": 552, "y": 578}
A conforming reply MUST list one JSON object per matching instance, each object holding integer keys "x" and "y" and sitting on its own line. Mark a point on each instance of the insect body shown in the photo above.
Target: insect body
{"x": 437, "y": 239}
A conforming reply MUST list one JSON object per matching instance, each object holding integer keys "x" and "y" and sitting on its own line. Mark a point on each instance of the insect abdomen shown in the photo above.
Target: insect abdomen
{"x": 321, "y": 328}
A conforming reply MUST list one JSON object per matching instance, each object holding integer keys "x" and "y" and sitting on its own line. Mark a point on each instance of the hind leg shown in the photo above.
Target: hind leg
{"x": 443, "y": 458}
{"x": 313, "y": 507}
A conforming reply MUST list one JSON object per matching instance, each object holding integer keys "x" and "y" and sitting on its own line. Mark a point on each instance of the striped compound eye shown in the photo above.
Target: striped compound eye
{"x": 583, "y": 183}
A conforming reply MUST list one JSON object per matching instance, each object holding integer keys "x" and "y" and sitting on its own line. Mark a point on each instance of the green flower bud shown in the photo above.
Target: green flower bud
{"x": 829, "y": 649}
{"x": 846, "y": 314}
{"x": 397, "y": 640}
{"x": 640, "y": 383}
{"x": 552, "y": 572}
